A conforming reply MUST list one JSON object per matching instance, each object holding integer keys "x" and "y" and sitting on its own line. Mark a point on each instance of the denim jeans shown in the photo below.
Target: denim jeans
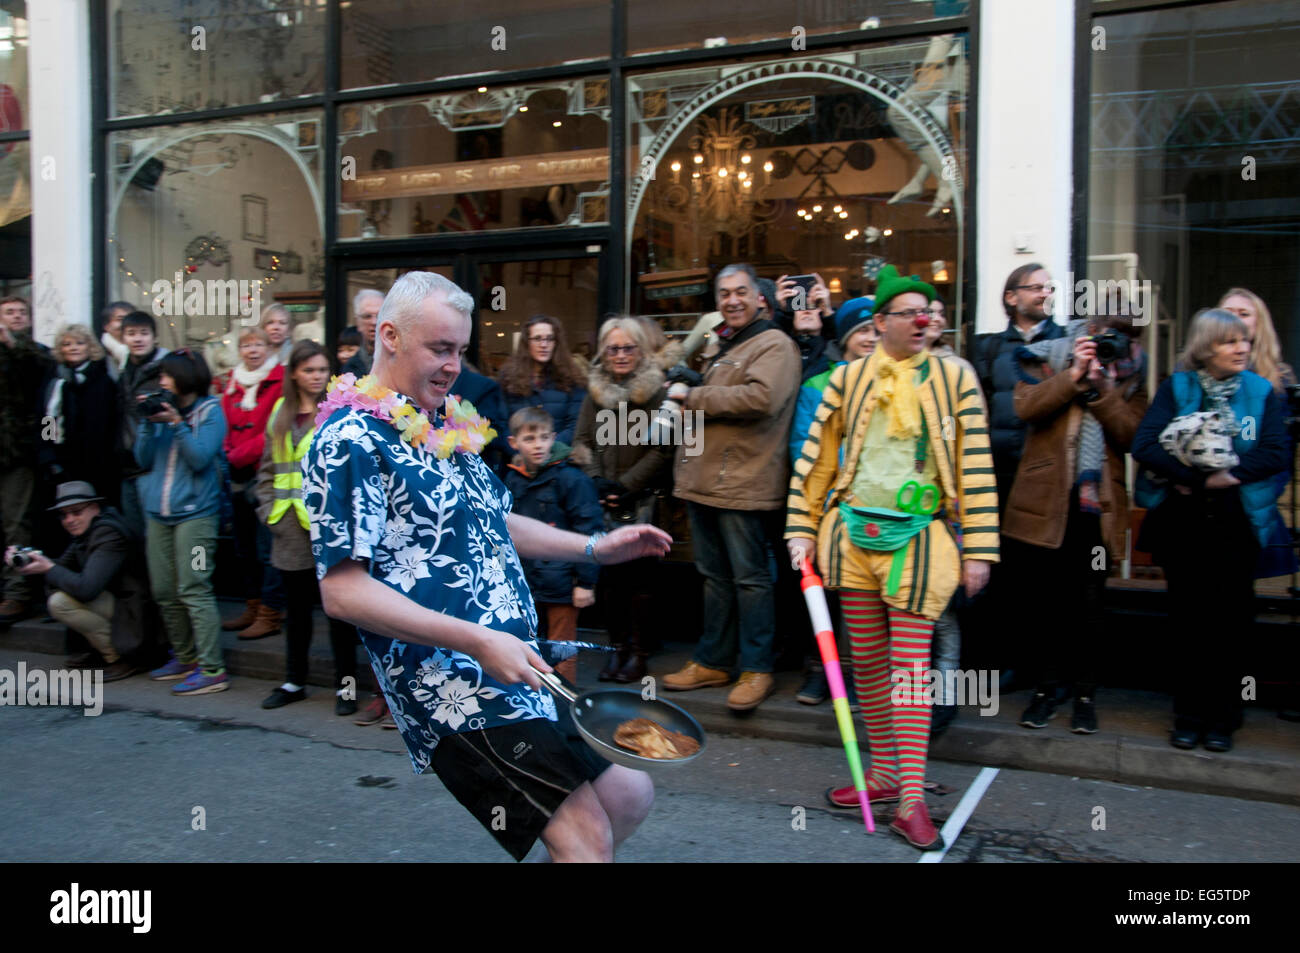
{"x": 945, "y": 650}
{"x": 739, "y": 609}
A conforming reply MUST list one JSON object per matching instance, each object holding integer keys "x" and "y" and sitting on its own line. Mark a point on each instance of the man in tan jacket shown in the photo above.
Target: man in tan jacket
{"x": 735, "y": 488}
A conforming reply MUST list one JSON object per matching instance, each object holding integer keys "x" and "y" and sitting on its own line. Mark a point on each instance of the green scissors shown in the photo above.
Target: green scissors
{"x": 917, "y": 499}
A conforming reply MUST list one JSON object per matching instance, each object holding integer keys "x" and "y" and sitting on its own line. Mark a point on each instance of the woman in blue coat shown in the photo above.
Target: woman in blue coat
{"x": 1205, "y": 527}
{"x": 542, "y": 373}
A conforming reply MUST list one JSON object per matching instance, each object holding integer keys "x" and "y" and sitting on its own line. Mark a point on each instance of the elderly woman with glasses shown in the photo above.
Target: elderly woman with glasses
{"x": 542, "y": 373}
{"x": 626, "y": 383}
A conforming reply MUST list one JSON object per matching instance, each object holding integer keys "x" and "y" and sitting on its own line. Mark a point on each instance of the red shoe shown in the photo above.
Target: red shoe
{"x": 917, "y": 830}
{"x": 848, "y": 797}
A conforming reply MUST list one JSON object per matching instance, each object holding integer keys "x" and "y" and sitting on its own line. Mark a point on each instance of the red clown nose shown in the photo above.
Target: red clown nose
{"x": 922, "y": 322}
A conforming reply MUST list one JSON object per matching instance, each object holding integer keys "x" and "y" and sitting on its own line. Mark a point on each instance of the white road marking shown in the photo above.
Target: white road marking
{"x": 957, "y": 820}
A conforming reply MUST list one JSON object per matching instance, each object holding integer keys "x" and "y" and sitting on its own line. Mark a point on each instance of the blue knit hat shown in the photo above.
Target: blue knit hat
{"x": 852, "y": 315}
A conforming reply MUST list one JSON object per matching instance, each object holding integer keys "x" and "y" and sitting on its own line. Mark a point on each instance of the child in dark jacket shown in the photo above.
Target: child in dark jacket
{"x": 547, "y": 487}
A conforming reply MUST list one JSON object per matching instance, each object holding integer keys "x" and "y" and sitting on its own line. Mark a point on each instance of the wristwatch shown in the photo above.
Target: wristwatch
{"x": 1091, "y": 395}
{"x": 592, "y": 540}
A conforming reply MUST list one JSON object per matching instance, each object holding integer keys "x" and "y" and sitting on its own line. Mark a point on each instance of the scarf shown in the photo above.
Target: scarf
{"x": 54, "y": 403}
{"x": 119, "y": 351}
{"x": 1217, "y": 395}
{"x": 895, "y": 390}
{"x": 250, "y": 381}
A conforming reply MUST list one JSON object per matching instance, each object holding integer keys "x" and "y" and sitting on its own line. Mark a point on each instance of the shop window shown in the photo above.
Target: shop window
{"x": 486, "y": 159}
{"x": 166, "y": 56}
{"x": 15, "y": 218}
{"x": 835, "y": 165}
{"x": 13, "y": 67}
{"x": 396, "y": 41}
{"x": 659, "y": 25}
{"x": 231, "y": 209}
{"x": 1195, "y": 161}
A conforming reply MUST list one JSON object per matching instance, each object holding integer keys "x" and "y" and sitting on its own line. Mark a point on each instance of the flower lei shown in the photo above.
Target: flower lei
{"x": 464, "y": 429}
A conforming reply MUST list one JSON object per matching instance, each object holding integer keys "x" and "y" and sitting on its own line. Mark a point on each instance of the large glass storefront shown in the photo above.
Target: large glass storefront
{"x": 1194, "y": 161}
{"x": 15, "y": 155}
{"x": 237, "y": 146}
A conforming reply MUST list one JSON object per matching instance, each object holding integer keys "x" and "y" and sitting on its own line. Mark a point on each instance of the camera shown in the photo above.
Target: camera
{"x": 22, "y": 556}
{"x": 153, "y": 402}
{"x": 662, "y": 427}
{"x": 1111, "y": 346}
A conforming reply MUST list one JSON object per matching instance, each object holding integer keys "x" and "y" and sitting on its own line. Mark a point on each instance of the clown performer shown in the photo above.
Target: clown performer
{"x": 415, "y": 543}
{"x": 911, "y": 512}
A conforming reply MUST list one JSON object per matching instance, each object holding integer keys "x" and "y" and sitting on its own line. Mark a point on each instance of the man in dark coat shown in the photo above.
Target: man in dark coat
{"x": 485, "y": 394}
{"x": 1026, "y": 298}
{"x": 99, "y": 589}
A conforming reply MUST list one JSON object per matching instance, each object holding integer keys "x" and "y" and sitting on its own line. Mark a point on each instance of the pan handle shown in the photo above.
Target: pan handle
{"x": 554, "y": 685}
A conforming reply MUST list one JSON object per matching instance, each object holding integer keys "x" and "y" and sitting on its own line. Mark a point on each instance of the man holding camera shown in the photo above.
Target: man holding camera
{"x": 1082, "y": 397}
{"x": 96, "y": 590}
{"x": 735, "y": 488}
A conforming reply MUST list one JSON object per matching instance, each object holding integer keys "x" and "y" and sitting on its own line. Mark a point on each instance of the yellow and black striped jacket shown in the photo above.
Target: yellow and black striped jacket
{"x": 959, "y": 442}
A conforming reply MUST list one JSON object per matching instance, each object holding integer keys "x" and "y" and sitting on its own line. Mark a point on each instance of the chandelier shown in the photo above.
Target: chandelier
{"x": 725, "y": 190}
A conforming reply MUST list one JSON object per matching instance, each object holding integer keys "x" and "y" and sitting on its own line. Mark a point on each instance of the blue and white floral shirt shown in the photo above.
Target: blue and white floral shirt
{"x": 435, "y": 531}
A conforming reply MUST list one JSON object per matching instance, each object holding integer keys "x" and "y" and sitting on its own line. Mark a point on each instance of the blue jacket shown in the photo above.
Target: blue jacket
{"x": 183, "y": 479}
{"x": 1262, "y": 449}
{"x": 563, "y": 406}
{"x": 805, "y": 410}
{"x": 560, "y": 495}
{"x": 994, "y": 358}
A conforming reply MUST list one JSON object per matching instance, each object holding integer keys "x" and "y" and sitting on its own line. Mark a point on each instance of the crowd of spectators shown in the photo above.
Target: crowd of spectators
{"x": 132, "y": 462}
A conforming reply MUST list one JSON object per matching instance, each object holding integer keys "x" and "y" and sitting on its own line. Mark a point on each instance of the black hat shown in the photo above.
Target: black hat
{"x": 71, "y": 494}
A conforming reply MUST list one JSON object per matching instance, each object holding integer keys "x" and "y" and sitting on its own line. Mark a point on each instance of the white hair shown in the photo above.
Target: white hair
{"x": 409, "y": 292}
{"x": 361, "y": 297}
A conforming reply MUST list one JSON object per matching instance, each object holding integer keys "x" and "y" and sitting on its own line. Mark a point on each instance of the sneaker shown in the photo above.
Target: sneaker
{"x": 815, "y": 690}
{"x": 344, "y": 706}
{"x": 200, "y": 682}
{"x": 1185, "y": 738}
{"x": 279, "y": 697}
{"x": 373, "y": 713}
{"x": 1040, "y": 711}
{"x": 1084, "y": 719}
{"x": 174, "y": 668}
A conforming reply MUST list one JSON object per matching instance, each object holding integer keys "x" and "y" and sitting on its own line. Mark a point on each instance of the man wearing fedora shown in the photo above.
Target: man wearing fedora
{"x": 97, "y": 590}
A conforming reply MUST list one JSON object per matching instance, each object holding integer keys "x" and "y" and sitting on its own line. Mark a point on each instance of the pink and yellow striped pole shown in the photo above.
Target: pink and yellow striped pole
{"x": 814, "y": 595}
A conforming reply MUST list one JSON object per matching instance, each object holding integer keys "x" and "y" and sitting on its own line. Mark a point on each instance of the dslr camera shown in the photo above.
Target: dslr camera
{"x": 661, "y": 428}
{"x": 1111, "y": 346}
{"x": 22, "y": 556}
{"x": 153, "y": 402}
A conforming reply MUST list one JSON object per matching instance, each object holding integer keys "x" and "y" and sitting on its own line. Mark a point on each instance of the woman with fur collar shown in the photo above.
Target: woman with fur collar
{"x": 627, "y": 375}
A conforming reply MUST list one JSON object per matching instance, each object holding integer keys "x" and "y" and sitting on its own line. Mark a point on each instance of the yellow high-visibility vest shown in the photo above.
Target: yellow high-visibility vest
{"x": 287, "y": 460}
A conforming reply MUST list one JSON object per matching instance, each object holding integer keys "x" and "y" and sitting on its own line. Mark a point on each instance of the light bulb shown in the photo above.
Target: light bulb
{"x": 817, "y": 208}
{"x": 676, "y": 166}
{"x": 722, "y": 173}
{"x": 768, "y": 167}
{"x": 746, "y": 159}
{"x": 887, "y": 232}
{"x": 699, "y": 159}
{"x": 844, "y": 214}
{"x": 838, "y": 208}
{"x": 557, "y": 124}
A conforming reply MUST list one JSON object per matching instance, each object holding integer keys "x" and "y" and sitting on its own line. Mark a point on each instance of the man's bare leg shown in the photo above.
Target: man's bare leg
{"x": 580, "y": 831}
{"x": 627, "y": 796}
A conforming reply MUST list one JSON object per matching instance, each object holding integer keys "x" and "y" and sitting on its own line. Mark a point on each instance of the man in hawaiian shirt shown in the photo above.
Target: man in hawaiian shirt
{"x": 422, "y": 554}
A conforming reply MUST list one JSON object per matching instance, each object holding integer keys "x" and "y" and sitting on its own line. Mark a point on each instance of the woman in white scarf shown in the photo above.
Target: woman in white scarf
{"x": 254, "y": 386}
{"x": 114, "y": 347}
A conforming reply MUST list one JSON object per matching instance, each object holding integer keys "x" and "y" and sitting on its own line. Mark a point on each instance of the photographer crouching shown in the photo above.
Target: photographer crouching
{"x": 98, "y": 590}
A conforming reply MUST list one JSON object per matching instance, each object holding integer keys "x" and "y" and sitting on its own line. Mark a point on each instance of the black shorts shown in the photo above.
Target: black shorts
{"x": 514, "y": 778}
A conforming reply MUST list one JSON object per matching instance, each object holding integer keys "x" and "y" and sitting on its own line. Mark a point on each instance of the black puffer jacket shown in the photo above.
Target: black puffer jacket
{"x": 994, "y": 358}
{"x": 107, "y": 557}
{"x": 560, "y": 495}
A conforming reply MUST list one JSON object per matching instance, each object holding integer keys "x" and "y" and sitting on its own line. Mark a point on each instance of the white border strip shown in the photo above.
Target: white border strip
{"x": 957, "y": 820}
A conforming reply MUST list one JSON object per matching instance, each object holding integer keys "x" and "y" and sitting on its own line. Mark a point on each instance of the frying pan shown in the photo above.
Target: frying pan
{"x": 599, "y": 713}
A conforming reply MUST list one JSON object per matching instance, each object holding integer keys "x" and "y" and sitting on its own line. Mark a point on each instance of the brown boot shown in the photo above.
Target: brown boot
{"x": 267, "y": 623}
{"x": 245, "y": 618}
